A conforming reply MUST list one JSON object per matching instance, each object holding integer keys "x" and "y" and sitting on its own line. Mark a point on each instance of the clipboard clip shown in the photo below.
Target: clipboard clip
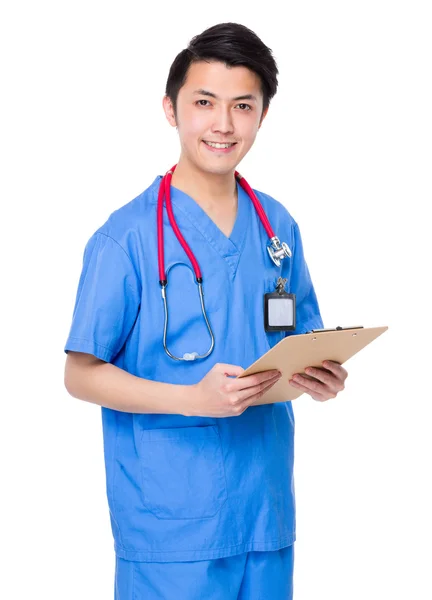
{"x": 338, "y": 328}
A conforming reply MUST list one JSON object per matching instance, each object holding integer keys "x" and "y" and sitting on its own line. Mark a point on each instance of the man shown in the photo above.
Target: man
{"x": 199, "y": 481}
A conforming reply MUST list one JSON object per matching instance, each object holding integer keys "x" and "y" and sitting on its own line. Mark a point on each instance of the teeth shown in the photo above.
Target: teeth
{"x": 216, "y": 145}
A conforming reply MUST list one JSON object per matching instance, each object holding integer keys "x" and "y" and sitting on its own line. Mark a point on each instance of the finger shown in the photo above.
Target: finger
{"x": 336, "y": 368}
{"x": 248, "y": 392}
{"x": 229, "y": 370}
{"x": 330, "y": 380}
{"x": 250, "y": 381}
{"x": 309, "y": 385}
{"x": 251, "y": 399}
{"x": 315, "y": 395}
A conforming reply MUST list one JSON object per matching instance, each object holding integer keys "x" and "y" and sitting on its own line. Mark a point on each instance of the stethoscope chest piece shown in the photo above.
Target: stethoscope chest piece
{"x": 278, "y": 251}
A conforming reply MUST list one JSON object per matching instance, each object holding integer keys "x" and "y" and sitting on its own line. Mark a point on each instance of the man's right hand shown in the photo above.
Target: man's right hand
{"x": 218, "y": 395}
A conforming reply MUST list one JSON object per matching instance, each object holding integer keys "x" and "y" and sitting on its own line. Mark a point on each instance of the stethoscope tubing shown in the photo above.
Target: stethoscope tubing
{"x": 165, "y": 192}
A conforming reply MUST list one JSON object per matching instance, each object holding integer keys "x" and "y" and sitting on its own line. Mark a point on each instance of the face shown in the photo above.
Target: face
{"x": 217, "y": 104}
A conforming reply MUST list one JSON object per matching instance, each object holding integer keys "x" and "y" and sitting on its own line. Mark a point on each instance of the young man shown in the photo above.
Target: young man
{"x": 199, "y": 481}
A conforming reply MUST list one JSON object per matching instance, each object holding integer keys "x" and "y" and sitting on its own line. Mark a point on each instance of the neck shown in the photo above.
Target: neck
{"x": 207, "y": 189}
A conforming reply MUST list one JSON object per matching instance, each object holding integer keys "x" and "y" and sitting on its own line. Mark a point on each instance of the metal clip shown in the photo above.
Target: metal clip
{"x": 280, "y": 285}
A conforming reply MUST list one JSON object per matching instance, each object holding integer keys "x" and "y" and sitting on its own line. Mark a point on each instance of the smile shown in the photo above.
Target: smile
{"x": 216, "y": 146}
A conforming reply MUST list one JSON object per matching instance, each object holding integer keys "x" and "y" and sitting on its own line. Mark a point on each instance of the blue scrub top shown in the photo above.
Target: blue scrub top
{"x": 192, "y": 488}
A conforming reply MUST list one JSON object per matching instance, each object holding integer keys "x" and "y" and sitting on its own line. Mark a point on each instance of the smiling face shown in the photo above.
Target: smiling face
{"x": 216, "y": 105}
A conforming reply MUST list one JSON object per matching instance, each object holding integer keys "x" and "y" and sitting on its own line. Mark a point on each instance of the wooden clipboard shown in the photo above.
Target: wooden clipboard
{"x": 295, "y": 353}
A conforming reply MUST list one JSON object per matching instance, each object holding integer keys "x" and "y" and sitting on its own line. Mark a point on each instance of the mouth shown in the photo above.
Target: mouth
{"x": 223, "y": 148}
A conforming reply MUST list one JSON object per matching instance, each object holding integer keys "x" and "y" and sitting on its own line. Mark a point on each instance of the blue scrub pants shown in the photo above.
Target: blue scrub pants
{"x": 249, "y": 576}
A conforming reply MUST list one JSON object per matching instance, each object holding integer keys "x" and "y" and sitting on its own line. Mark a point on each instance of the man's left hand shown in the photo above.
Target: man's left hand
{"x": 331, "y": 381}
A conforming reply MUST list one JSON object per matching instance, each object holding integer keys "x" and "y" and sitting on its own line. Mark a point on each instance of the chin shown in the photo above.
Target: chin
{"x": 223, "y": 169}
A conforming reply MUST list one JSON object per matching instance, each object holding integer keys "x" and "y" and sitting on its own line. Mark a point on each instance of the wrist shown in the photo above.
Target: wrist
{"x": 185, "y": 399}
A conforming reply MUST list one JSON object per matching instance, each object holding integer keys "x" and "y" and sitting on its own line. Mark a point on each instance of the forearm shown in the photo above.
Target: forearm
{"x": 109, "y": 386}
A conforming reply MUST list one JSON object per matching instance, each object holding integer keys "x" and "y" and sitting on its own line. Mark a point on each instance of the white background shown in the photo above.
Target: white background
{"x": 346, "y": 147}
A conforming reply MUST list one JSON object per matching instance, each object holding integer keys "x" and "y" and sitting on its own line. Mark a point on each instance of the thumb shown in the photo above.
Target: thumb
{"x": 230, "y": 370}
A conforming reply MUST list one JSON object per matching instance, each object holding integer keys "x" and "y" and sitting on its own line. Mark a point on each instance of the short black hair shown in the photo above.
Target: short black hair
{"x": 234, "y": 45}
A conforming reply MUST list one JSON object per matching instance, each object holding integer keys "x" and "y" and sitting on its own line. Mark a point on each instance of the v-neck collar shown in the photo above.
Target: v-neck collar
{"x": 230, "y": 248}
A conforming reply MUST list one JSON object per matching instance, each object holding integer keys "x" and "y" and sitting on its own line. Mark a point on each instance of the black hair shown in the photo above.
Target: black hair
{"x": 234, "y": 45}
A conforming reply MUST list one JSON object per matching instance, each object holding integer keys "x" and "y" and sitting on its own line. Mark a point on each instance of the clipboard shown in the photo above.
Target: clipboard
{"x": 293, "y": 354}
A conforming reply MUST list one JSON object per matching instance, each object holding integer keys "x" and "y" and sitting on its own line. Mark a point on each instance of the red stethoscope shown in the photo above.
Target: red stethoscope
{"x": 277, "y": 251}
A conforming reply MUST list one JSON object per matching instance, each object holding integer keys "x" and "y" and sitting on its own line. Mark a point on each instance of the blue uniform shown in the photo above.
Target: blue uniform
{"x": 247, "y": 576}
{"x": 192, "y": 488}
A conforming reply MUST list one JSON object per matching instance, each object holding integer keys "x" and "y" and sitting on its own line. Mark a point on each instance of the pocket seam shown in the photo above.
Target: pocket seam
{"x": 178, "y": 433}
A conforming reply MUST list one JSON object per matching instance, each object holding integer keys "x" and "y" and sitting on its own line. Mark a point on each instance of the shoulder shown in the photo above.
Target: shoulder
{"x": 133, "y": 214}
{"x": 276, "y": 211}
{"x": 125, "y": 225}
{"x": 283, "y": 223}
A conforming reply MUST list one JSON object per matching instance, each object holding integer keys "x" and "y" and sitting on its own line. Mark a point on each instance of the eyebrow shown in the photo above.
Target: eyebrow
{"x": 202, "y": 92}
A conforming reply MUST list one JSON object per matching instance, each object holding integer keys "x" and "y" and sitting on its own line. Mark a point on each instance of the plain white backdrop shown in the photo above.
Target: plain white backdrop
{"x": 346, "y": 147}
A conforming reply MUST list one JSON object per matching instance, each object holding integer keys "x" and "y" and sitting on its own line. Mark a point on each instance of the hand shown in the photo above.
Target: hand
{"x": 331, "y": 381}
{"x": 216, "y": 395}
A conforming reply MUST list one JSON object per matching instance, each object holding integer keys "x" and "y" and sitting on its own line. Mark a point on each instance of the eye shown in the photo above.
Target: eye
{"x": 248, "y": 107}
{"x": 198, "y": 102}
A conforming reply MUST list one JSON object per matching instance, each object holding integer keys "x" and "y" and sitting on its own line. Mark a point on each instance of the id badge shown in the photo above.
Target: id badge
{"x": 279, "y": 309}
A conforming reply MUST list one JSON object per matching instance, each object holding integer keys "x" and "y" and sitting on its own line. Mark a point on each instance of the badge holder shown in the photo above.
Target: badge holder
{"x": 279, "y": 309}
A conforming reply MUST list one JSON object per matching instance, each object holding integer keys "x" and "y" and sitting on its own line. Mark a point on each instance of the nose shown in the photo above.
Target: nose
{"x": 223, "y": 122}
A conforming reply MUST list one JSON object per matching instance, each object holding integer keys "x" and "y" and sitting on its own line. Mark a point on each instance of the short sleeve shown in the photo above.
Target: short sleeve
{"x": 107, "y": 300}
{"x": 308, "y": 314}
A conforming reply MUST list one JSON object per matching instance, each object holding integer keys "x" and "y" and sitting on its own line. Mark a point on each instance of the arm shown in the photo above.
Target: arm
{"x": 91, "y": 379}
{"x": 109, "y": 287}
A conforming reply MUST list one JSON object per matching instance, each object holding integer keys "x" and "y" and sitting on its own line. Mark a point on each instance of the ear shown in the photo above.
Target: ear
{"x": 263, "y": 116}
{"x": 169, "y": 111}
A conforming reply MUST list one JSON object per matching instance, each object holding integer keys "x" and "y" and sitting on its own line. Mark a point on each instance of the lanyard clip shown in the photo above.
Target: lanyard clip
{"x": 280, "y": 286}
{"x": 278, "y": 251}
